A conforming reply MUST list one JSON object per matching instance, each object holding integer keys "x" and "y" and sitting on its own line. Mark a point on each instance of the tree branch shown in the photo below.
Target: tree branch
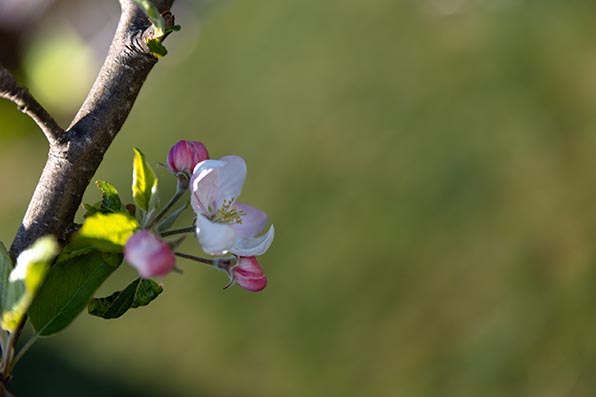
{"x": 9, "y": 89}
{"x": 73, "y": 161}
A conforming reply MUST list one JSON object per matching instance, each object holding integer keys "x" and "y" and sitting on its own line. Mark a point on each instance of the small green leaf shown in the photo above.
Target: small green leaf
{"x": 104, "y": 232}
{"x": 173, "y": 28}
{"x": 26, "y": 279}
{"x": 158, "y": 49}
{"x": 144, "y": 182}
{"x": 138, "y": 293}
{"x": 110, "y": 199}
{"x": 69, "y": 286}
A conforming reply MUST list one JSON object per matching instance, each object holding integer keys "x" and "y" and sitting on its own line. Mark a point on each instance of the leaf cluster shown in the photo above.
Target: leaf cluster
{"x": 54, "y": 295}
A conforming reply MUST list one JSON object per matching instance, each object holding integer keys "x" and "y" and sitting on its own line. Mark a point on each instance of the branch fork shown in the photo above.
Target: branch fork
{"x": 75, "y": 153}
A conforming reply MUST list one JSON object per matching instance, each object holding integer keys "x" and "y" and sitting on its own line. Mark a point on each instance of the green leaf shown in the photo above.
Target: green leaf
{"x": 144, "y": 182}
{"x": 5, "y": 269}
{"x": 104, "y": 232}
{"x": 69, "y": 286}
{"x": 110, "y": 199}
{"x": 173, "y": 28}
{"x": 91, "y": 209}
{"x": 158, "y": 49}
{"x": 25, "y": 280}
{"x": 138, "y": 293}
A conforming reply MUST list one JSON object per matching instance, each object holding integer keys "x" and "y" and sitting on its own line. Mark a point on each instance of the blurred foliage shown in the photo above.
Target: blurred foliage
{"x": 60, "y": 68}
{"x": 429, "y": 167}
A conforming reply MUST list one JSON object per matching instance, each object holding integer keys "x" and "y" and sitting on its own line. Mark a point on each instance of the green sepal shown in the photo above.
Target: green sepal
{"x": 170, "y": 219}
{"x": 70, "y": 284}
{"x": 144, "y": 183}
{"x": 24, "y": 281}
{"x": 138, "y": 293}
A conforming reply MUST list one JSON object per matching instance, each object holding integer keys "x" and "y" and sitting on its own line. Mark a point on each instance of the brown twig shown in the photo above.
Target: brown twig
{"x": 9, "y": 89}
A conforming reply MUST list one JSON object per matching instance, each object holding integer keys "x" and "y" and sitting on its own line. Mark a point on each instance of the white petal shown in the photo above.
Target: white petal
{"x": 230, "y": 179}
{"x": 217, "y": 181}
{"x": 203, "y": 186}
{"x": 254, "y": 246}
{"x": 215, "y": 238}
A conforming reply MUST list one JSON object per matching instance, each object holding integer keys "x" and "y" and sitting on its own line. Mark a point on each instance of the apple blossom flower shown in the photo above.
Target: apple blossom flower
{"x": 223, "y": 225}
{"x": 185, "y": 155}
{"x": 248, "y": 274}
{"x": 150, "y": 255}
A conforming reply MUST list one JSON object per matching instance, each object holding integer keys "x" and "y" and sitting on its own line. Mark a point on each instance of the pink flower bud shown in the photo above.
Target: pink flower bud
{"x": 248, "y": 274}
{"x": 185, "y": 155}
{"x": 150, "y": 255}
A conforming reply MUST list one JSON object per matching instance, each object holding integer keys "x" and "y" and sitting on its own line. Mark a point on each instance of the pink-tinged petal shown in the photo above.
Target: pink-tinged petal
{"x": 253, "y": 246}
{"x": 203, "y": 185}
{"x": 249, "y": 275}
{"x": 215, "y": 238}
{"x": 253, "y": 221}
{"x": 215, "y": 182}
{"x": 185, "y": 155}
{"x": 150, "y": 255}
{"x": 231, "y": 178}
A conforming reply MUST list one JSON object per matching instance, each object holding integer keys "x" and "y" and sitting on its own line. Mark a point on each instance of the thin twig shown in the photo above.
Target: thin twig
{"x": 9, "y": 89}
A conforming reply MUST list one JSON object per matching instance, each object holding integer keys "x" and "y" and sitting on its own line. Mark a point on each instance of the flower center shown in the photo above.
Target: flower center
{"x": 227, "y": 214}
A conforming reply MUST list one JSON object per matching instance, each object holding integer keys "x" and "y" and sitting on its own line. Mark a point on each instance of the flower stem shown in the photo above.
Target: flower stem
{"x": 177, "y": 231}
{"x": 165, "y": 209}
{"x": 223, "y": 264}
{"x": 9, "y": 352}
{"x": 7, "y": 355}
{"x": 181, "y": 188}
{"x": 195, "y": 258}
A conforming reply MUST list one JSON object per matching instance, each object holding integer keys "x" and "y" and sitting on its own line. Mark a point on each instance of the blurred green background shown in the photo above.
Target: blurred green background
{"x": 429, "y": 167}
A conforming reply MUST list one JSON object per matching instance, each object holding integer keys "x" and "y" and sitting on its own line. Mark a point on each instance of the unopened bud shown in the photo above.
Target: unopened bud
{"x": 248, "y": 274}
{"x": 185, "y": 155}
{"x": 150, "y": 255}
